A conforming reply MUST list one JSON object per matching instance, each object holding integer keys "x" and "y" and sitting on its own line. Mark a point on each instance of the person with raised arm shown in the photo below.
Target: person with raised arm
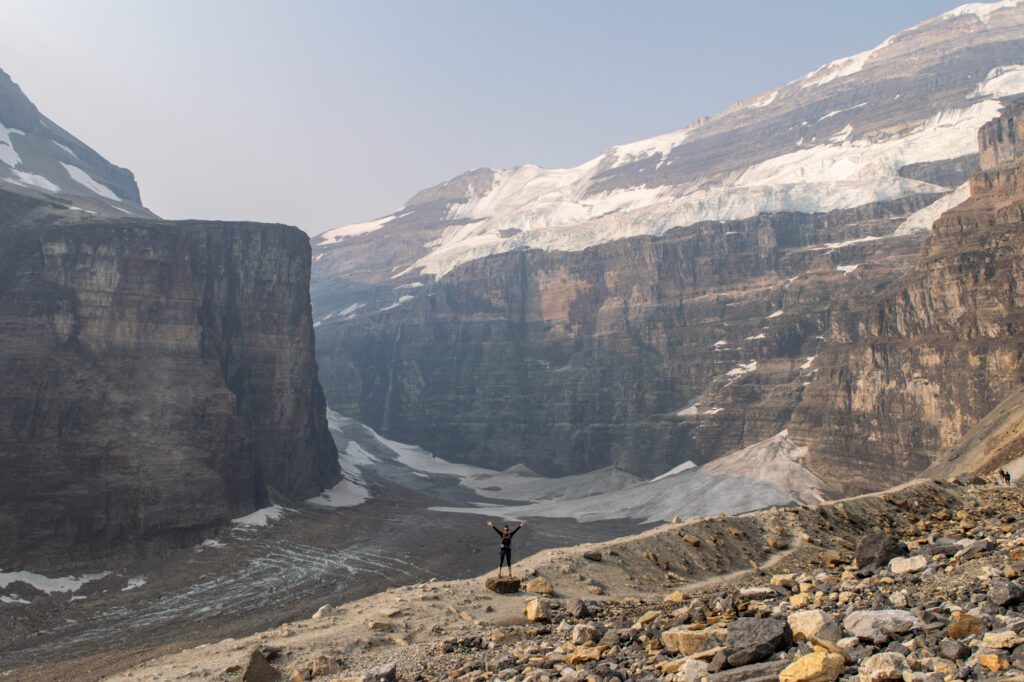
{"x": 505, "y": 557}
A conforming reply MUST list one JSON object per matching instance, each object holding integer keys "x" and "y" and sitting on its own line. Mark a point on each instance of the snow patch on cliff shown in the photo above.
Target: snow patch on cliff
{"x": 87, "y": 181}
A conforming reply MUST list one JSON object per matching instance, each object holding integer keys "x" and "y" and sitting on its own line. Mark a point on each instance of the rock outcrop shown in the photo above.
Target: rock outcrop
{"x": 906, "y": 374}
{"x": 156, "y": 379}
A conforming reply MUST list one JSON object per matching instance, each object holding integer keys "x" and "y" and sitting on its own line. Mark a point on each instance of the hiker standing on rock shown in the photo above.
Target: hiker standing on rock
{"x": 506, "y": 545}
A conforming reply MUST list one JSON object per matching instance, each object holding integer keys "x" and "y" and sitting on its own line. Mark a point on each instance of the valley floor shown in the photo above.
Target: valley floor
{"x": 668, "y": 602}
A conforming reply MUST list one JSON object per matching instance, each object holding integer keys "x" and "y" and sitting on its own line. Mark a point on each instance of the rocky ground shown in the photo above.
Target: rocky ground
{"x": 918, "y": 583}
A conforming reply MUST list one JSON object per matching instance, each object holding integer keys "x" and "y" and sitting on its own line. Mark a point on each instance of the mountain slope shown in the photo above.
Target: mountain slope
{"x": 39, "y": 157}
{"x": 666, "y": 301}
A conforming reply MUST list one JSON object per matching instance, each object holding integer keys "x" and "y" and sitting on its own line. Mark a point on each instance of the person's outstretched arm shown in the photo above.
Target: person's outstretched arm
{"x": 521, "y": 524}
{"x": 492, "y": 527}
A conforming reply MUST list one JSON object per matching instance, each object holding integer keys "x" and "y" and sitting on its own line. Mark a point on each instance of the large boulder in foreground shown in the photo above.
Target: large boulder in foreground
{"x": 503, "y": 585}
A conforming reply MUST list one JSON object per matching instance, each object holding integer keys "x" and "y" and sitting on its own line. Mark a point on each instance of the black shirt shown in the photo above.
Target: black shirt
{"x": 506, "y": 540}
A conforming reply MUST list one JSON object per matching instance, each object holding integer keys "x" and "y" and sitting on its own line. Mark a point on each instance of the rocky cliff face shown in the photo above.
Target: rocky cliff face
{"x": 906, "y": 374}
{"x": 156, "y": 379}
{"x": 684, "y": 296}
{"x": 642, "y": 353}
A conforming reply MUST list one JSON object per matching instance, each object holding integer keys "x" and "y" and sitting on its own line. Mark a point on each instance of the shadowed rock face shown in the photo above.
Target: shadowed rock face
{"x": 156, "y": 379}
{"x": 910, "y": 371}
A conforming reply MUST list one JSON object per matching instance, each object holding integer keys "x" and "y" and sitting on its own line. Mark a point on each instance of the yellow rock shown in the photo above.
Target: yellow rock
{"x": 584, "y": 653}
{"x": 993, "y": 662}
{"x": 802, "y": 599}
{"x": 687, "y": 641}
{"x": 648, "y": 617}
{"x": 821, "y": 666}
{"x": 540, "y": 586}
{"x": 537, "y": 610}
{"x": 674, "y": 597}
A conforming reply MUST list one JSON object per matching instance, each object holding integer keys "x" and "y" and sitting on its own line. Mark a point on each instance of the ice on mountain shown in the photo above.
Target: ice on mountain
{"x": 86, "y": 180}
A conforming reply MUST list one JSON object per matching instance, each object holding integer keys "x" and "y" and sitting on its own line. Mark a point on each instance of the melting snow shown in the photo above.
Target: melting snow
{"x": 340, "y": 233}
{"x": 832, "y": 246}
{"x": 1003, "y": 81}
{"x": 689, "y": 411}
{"x": 213, "y": 544}
{"x": 85, "y": 180}
{"x": 810, "y": 361}
{"x": 685, "y": 466}
{"x": 756, "y": 338}
{"x": 24, "y": 178}
{"x": 349, "y": 310}
{"x": 742, "y": 369}
{"x": 777, "y": 313}
{"x": 351, "y": 490}
{"x": 777, "y": 461}
{"x": 923, "y": 219}
{"x": 982, "y": 10}
{"x": 261, "y": 517}
{"x": 67, "y": 149}
{"x": 50, "y": 585}
{"x": 7, "y": 153}
{"x": 847, "y": 269}
{"x": 135, "y": 583}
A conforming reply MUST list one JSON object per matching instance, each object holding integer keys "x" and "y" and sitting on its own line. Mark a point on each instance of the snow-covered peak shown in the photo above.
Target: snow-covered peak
{"x": 37, "y": 156}
{"x": 838, "y": 138}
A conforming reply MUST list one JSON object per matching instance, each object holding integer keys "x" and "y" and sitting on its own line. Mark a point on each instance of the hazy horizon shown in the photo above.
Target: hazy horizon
{"x": 322, "y": 114}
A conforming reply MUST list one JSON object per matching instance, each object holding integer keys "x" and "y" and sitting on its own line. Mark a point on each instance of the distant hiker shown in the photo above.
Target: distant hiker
{"x": 505, "y": 558}
{"x": 1005, "y": 475}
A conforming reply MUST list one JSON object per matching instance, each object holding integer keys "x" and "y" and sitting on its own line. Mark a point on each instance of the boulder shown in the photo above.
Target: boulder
{"x": 592, "y": 556}
{"x": 538, "y": 610}
{"x": 752, "y": 640}
{"x": 954, "y": 650}
{"x": 584, "y": 654}
{"x": 259, "y": 669}
{"x": 814, "y": 623}
{"x": 1003, "y": 593}
{"x": 540, "y": 586}
{"x": 906, "y": 565}
{"x": 821, "y": 666}
{"x": 577, "y": 608}
{"x": 965, "y": 625}
{"x": 687, "y": 642}
{"x": 884, "y": 666}
{"x": 503, "y": 585}
{"x": 1004, "y": 639}
{"x": 968, "y": 479}
{"x": 878, "y": 549}
{"x": 880, "y": 626}
{"x": 586, "y": 633}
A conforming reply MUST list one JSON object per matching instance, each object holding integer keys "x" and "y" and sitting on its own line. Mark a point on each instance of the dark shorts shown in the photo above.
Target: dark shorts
{"x": 506, "y": 557}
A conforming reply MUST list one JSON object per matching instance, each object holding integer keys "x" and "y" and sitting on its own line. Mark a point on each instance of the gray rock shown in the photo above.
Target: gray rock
{"x": 1004, "y": 593}
{"x": 752, "y": 640}
{"x": 954, "y": 650}
{"x": 880, "y": 626}
{"x": 878, "y": 549}
{"x": 259, "y": 669}
{"x": 577, "y": 608}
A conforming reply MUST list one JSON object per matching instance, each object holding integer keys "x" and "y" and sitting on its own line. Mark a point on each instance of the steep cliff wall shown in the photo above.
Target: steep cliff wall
{"x": 156, "y": 379}
{"x": 643, "y": 352}
{"x": 907, "y": 373}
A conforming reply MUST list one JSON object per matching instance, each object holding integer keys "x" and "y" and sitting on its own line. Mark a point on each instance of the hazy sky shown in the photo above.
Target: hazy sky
{"x": 321, "y": 113}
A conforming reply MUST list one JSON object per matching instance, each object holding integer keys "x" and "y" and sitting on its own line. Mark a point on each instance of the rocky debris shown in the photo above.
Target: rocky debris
{"x": 503, "y": 585}
{"x": 592, "y": 556}
{"x": 259, "y": 669}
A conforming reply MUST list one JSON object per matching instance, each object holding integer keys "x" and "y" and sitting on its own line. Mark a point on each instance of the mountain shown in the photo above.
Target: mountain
{"x": 39, "y": 157}
{"x": 677, "y": 299}
{"x": 157, "y": 378}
